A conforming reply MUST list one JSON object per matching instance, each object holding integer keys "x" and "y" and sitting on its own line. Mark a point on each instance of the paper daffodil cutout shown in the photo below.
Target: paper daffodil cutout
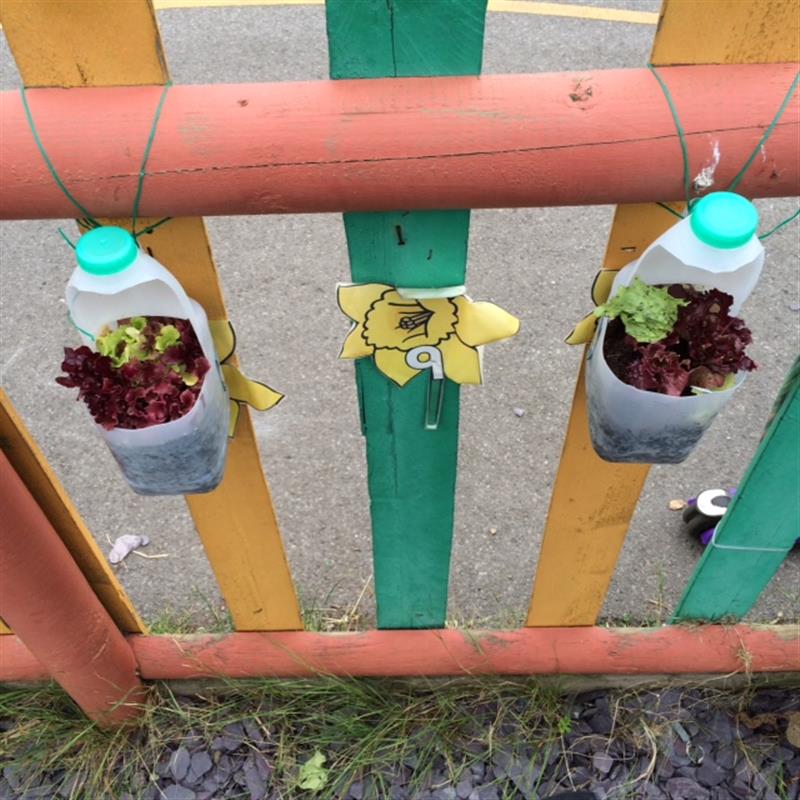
{"x": 407, "y": 334}
{"x": 583, "y": 332}
{"x": 240, "y": 388}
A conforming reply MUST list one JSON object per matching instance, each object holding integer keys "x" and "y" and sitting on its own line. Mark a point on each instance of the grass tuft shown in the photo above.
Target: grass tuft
{"x": 362, "y": 726}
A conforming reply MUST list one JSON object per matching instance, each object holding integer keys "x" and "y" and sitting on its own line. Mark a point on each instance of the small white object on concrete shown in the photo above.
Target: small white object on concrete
{"x": 124, "y": 545}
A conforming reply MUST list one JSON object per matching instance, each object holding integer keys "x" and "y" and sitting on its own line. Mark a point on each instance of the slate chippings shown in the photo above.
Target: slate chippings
{"x": 665, "y": 744}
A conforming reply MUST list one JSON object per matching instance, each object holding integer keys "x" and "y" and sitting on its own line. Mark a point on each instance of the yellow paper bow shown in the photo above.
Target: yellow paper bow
{"x": 400, "y": 331}
{"x": 240, "y": 388}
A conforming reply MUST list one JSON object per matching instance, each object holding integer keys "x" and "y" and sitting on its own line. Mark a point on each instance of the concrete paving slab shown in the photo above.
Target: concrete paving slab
{"x": 279, "y": 275}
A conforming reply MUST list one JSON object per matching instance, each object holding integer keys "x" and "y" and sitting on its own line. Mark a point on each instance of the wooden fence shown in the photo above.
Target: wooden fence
{"x": 393, "y": 65}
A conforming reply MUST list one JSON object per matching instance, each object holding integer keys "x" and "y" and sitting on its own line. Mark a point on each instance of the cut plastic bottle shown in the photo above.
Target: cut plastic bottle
{"x": 714, "y": 247}
{"x": 116, "y": 280}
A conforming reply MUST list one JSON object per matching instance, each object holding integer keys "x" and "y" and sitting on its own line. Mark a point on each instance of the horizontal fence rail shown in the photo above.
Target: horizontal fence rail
{"x": 411, "y": 143}
{"x": 675, "y": 650}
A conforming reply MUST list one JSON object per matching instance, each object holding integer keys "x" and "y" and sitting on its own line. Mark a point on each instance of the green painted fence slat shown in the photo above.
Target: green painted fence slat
{"x": 411, "y": 470}
{"x": 765, "y": 513}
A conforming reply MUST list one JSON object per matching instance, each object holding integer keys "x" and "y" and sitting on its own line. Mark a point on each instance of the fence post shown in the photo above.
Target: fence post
{"x": 80, "y": 43}
{"x": 47, "y": 601}
{"x": 411, "y": 470}
{"x": 586, "y": 529}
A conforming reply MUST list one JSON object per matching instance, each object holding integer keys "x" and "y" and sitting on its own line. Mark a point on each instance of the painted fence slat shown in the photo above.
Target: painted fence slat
{"x": 765, "y": 513}
{"x": 55, "y": 612}
{"x": 92, "y": 42}
{"x": 411, "y": 470}
{"x": 593, "y": 500}
{"x": 30, "y": 464}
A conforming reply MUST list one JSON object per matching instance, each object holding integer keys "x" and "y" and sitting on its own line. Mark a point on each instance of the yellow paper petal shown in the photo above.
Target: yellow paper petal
{"x": 462, "y": 364}
{"x": 601, "y": 287}
{"x": 256, "y": 394}
{"x": 392, "y": 363}
{"x": 223, "y": 336}
{"x": 583, "y": 331}
{"x": 481, "y": 323}
{"x": 354, "y": 345}
{"x": 355, "y": 299}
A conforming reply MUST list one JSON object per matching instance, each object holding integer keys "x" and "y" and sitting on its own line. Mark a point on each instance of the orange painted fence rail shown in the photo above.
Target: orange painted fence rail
{"x": 675, "y": 650}
{"x": 408, "y": 143}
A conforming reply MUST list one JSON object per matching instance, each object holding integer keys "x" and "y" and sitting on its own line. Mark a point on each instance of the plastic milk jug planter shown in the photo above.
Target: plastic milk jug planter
{"x": 715, "y": 247}
{"x": 115, "y": 280}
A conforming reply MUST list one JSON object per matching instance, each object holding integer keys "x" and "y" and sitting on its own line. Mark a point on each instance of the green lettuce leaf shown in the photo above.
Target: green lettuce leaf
{"x": 313, "y": 776}
{"x": 168, "y": 337}
{"x": 647, "y": 312}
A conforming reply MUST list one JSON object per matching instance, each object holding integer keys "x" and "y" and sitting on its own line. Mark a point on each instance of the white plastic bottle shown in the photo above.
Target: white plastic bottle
{"x": 714, "y": 247}
{"x": 116, "y": 280}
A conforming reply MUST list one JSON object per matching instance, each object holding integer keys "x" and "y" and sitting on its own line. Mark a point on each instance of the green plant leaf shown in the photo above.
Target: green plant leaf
{"x": 168, "y": 336}
{"x": 313, "y": 776}
{"x": 648, "y": 312}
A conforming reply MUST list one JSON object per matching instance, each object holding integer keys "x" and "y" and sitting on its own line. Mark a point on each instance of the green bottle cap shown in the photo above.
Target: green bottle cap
{"x": 106, "y": 250}
{"x": 724, "y": 219}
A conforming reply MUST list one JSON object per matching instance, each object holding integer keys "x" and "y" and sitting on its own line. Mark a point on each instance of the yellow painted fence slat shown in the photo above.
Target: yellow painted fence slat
{"x": 593, "y": 501}
{"x": 94, "y": 42}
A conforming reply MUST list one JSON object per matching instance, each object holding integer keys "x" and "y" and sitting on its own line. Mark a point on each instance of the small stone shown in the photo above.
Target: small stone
{"x": 488, "y": 793}
{"x": 665, "y": 770}
{"x": 357, "y": 790}
{"x": 678, "y": 757}
{"x": 464, "y": 788}
{"x": 520, "y": 412}
{"x": 725, "y": 757}
{"x": 602, "y": 762}
{"x": 256, "y": 784}
{"x": 179, "y": 763}
{"x": 721, "y": 728}
{"x": 177, "y": 792}
{"x": 677, "y": 505}
{"x": 445, "y": 793}
{"x": 686, "y": 789}
{"x": 601, "y": 723}
{"x": 652, "y": 792}
{"x": 794, "y": 306}
{"x": 201, "y": 763}
{"x": 709, "y": 773}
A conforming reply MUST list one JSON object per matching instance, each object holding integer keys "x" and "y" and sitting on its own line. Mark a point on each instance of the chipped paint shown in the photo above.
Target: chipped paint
{"x": 705, "y": 178}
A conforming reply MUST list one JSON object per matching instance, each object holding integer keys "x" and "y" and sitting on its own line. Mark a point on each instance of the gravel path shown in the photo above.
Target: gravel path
{"x": 628, "y": 745}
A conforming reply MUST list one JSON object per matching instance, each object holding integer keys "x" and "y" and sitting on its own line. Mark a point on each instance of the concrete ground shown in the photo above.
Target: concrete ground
{"x": 279, "y": 275}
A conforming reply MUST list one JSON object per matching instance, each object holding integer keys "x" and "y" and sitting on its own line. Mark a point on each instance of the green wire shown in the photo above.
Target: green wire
{"x": 767, "y": 133}
{"x": 735, "y": 182}
{"x": 66, "y": 238}
{"x": 49, "y": 163}
{"x": 780, "y": 225}
{"x": 87, "y": 221}
{"x": 151, "y": 228}
{"x": 687, "y": 182}
{"x": 671, "y": 210}
{"x": 147, "y": 148}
